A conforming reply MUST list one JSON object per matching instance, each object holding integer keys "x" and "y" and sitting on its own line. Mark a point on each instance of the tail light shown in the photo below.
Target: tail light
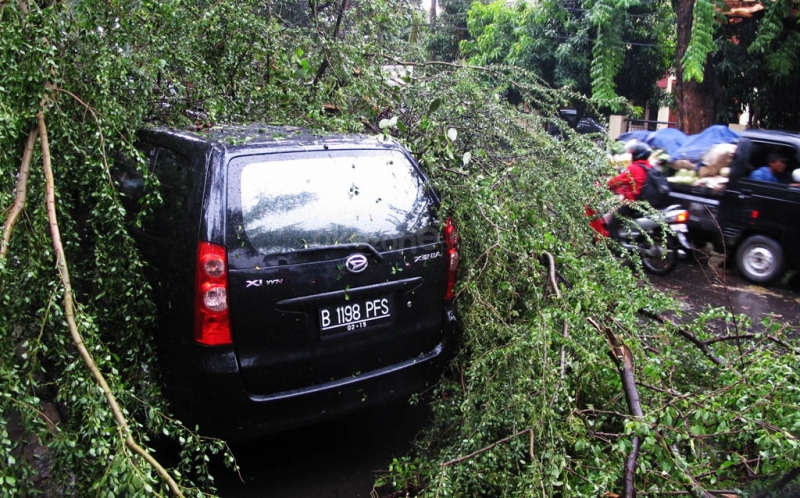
{"x": 682, "y": 217}
{"x": 451, "y": 257}
{"x": 211, "y": 321}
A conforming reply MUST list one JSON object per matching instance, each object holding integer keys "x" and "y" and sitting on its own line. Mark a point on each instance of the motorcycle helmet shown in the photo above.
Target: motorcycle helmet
{"x": 638, "y": 150}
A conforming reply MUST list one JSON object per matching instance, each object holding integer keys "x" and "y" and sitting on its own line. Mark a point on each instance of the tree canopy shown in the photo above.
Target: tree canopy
{"x": 589, "y": 47}
{"x": 726, "y": 57}
{"x": 533, "y": 405}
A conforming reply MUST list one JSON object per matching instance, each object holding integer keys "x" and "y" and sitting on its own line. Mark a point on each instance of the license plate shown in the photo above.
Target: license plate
{"x": 355, "y": 315}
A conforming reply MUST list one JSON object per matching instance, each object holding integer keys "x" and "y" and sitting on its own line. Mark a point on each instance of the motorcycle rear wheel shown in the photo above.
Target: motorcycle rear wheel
{"x": 663, "y": 254}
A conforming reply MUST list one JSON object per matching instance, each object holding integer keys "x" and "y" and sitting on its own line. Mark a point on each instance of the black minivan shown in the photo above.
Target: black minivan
{"x": 298, "y": 276}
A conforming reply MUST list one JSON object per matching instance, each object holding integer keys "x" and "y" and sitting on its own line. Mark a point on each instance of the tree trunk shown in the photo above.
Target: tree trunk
{"x": 696, "y": 103}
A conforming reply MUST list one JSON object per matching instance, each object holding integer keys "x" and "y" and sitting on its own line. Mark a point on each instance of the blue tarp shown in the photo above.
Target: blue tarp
{"x": 667, "y": 139}
{"x": 696, "y": 145}
{"x": 640, "y": 135}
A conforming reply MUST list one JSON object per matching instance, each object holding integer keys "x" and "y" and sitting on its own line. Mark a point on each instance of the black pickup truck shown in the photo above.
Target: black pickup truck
{"x": 756, "y": 222}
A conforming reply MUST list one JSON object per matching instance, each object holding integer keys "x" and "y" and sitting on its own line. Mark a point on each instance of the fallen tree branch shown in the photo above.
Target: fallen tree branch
{"x": 553, "y": 280}
{"x": 769, "y": 337}
{"x": 326, "y": 63}
{"x": 22, "y": 191}
{"x": 783, "y": 343}
{"x": 487, "y": 448}
{"x": 711, "y": 492}
{"x": 623, "y": 358}
{"x": 686, "y": 334}
{"x": 551, "y": 266}
{"x": 724, "y": 338}
{"x": 69, "y": 313}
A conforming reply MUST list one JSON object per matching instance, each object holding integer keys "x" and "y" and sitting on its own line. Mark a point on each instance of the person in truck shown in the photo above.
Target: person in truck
{"x": 773, "y": 172}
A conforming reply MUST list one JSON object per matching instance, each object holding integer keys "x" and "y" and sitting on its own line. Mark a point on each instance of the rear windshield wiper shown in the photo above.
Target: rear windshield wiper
{"x": 360, "y": 246}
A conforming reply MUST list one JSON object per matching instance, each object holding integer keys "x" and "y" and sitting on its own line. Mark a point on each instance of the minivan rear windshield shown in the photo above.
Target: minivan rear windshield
{"x": 302, "y": 200}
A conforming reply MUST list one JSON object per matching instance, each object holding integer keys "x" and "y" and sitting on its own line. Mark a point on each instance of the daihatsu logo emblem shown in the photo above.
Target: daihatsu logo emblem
{"x": 356, "y": 263}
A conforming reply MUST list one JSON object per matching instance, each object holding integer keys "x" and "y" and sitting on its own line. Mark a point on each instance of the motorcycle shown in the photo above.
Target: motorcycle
{"x": 657, "y": 246}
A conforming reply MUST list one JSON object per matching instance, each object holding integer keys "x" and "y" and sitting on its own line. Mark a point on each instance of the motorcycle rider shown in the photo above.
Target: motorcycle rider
{"x": 628, "y": 184}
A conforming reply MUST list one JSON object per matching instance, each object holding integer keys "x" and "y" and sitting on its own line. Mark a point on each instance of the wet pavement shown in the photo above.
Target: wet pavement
{"x": 341, "y": 458}
{"x": 705, "y": 283}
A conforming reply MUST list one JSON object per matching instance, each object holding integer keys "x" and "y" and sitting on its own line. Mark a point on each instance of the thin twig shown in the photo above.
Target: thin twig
{"x": 725, "y": 281}
{"x": 449, "y": 170}
{"x": 326, "y": 63}
{"x": 89, "y": 108}
{"x": 486, "y": 448}
{"x": 551, "y": 264}
{"x": 783, "y": 343}
{"x": 686, "y": 334}
{"x": 725, "y": 492}
{"x": 723, "y": 338}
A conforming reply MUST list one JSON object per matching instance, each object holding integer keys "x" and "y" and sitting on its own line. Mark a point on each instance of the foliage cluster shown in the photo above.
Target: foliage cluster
{"x": 97, "y": 71}
{"x": 756, "y": 62}
{"x": 448, "y": 30}
{"x": 598, "y": 48}
{"x": 609, "y": 48}
{"x": 535, "y": 406}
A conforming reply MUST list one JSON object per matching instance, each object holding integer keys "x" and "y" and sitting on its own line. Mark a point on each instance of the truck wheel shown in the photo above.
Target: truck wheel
{"x": 760, "y": 259}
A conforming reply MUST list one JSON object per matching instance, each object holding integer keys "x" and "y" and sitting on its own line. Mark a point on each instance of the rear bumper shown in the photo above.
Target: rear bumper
{"x": 209, "y": 391}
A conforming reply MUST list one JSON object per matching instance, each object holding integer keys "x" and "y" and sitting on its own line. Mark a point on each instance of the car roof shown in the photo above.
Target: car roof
{"x": 233, "y": 137}
{"x": 773, "y": 135}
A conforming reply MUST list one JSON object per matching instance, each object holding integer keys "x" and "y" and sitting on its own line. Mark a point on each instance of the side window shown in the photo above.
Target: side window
{"x": 174, "y": 173}
{"x": 763, "y": 161}
{"x": 589, "y": 125}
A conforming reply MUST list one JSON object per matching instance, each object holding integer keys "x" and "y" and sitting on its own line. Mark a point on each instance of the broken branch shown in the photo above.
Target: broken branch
{"x": 622, "y": 356}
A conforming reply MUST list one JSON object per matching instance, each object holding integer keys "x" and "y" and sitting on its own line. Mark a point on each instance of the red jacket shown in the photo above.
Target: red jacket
{"x": 629, "y": 182}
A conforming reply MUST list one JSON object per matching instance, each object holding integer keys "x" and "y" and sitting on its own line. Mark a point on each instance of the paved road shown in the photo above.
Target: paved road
{"x": 702, "y": 284}
{"x": 340, "y": 459}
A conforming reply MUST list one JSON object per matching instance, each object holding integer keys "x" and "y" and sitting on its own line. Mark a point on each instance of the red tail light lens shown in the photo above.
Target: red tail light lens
{"x": 682, "y": 217}
{"x": 211, "y": 321}
{"x": 451, "y": 256}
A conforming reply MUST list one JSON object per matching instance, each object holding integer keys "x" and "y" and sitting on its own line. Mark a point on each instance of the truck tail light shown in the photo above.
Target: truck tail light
{"x": 211, "y": 320}
{"x": 451, "y": 257}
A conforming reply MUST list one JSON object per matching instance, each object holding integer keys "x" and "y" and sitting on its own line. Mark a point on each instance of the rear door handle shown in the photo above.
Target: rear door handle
{"x": 745, "y": 193}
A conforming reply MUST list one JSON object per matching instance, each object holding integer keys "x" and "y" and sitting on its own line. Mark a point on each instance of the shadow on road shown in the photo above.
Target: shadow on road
{"x": 337, "y": 459}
